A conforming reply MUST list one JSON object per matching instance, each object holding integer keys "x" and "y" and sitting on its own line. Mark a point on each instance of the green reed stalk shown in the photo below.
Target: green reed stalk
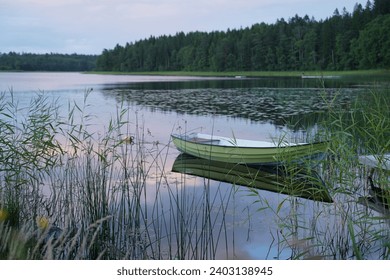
{"x": 67, "y": 192}
{"x": 344, "y": 229}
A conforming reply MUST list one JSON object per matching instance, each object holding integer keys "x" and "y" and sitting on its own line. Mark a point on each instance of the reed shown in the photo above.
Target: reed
{"x": 68, "y": 191}
{"x": 346, "y": 228}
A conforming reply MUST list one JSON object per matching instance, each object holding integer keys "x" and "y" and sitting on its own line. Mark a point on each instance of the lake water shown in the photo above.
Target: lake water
{"x": 247, "y": 224}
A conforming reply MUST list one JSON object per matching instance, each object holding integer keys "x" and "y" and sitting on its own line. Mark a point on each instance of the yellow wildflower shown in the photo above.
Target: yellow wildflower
{"x": 42, "y": 223}
{"x": 3, "y": 215}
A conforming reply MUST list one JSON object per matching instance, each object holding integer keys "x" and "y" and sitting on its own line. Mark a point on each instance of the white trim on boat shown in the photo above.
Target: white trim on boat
{"x": 376, "y": 161}
{"x": 208, "y": 139}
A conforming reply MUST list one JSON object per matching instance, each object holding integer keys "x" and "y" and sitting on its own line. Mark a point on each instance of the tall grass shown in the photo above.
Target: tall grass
{"x": 350, "y": 227}
{"x": 69, "y": 192}
{"x": 365, "y": 130}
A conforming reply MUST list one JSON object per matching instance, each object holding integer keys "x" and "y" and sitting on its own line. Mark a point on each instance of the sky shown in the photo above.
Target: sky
{"x": 90, "y": 26}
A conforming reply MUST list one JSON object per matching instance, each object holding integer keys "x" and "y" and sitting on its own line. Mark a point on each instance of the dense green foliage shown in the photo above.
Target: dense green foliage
{"x": 46, "y": 62}
{"x": 346, "y": 41}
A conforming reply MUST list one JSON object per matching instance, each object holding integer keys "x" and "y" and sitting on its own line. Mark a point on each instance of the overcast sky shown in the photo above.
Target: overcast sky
{"x": 89, "y": 26}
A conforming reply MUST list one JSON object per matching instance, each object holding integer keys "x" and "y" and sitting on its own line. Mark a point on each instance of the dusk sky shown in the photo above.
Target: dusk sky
{"x": 89, "y": 26}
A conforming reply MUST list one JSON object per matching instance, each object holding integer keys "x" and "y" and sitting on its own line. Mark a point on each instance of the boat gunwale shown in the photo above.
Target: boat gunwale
{"x": 296, "y": 145}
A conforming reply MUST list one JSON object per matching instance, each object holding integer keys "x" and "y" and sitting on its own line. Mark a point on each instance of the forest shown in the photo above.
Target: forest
{"x": 343, "y": 41}
{"x": 46, "y": 62}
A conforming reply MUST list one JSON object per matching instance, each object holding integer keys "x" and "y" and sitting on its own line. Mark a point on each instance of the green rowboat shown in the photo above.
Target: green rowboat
{"x": 242, "y": 151}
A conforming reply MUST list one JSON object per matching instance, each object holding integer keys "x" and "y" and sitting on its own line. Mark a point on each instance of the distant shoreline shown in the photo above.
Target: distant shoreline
{"x": 383, "y": 74}
{"x": 254, "y": 74}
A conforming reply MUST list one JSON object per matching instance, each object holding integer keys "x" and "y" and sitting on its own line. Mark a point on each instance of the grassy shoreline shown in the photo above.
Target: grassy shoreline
{"x": 378, "y": 73}
{"x": 298, "y": 74}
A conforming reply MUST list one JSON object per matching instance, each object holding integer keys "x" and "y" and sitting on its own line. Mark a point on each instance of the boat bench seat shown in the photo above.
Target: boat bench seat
{"x": 204, "y": 140}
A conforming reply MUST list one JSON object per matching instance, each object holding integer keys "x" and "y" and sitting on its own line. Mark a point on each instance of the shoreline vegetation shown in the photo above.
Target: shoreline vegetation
{"x": 374, "y": 75}
{"x": 53, "y": 62}
{"x": 384, "y": 73}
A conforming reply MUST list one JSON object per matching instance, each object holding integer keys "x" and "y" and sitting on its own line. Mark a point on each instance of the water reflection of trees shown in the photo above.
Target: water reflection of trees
{"x": 300, "y": 107}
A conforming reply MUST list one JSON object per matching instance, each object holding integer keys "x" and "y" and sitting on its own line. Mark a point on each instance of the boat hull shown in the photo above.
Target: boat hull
{"x": 271, "y": 154}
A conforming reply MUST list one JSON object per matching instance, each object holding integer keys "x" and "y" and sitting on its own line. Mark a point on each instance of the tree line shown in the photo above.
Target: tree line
{"x": 343, "y": 41}
{"x": 46, "y": 62}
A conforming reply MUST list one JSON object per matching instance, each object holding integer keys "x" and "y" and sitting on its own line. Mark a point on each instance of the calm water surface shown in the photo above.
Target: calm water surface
{"x": 245, "y": 108}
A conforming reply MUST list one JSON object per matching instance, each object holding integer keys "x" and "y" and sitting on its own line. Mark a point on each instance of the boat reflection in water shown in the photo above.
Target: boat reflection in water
{"x": 292, "y": 181}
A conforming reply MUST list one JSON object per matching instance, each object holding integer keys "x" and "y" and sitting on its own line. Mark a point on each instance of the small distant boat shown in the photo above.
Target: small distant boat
{"x": 232, "y": 150}
{"x": 294, "y": 182}
{"x": 319, "y": 77}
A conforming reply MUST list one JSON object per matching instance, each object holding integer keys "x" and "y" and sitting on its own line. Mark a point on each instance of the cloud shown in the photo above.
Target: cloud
{"x": 92, "y": 25}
